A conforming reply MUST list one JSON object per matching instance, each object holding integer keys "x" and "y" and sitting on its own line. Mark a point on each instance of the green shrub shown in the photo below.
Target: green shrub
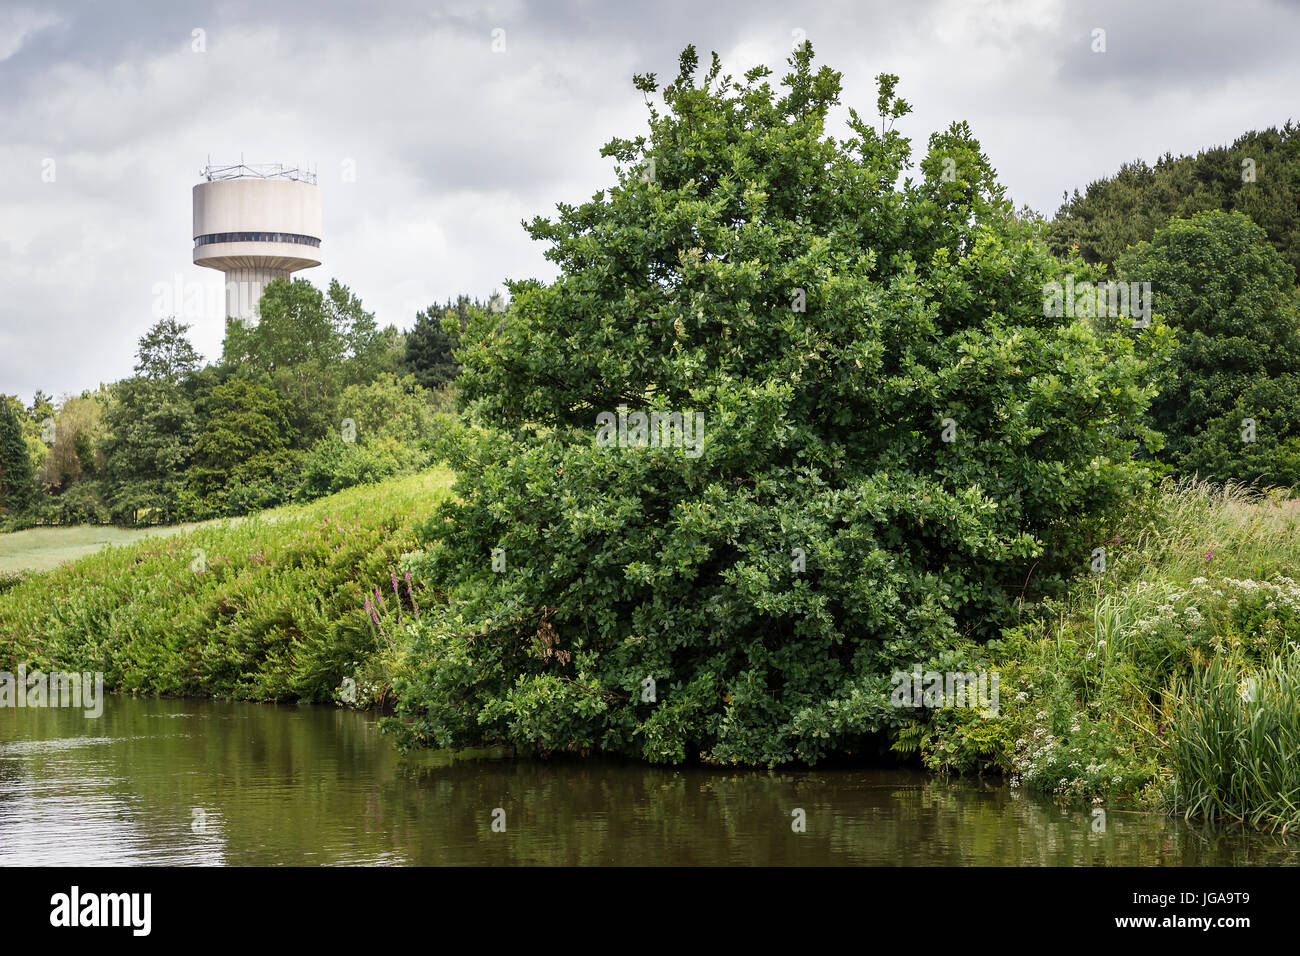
{"x": 249, "y": 496}
{"x": 82, "y": 503}
{"x": 832, "y": 326}
{"x": 333, "y": 465}
{"x": 390, "y": 426}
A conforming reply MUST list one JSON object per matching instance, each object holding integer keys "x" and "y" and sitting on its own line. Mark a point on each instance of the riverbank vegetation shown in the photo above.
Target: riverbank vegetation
{"x": 281, "y": 606}
{"x": 1166, "y": 681}
{"x": 908, "y": 461}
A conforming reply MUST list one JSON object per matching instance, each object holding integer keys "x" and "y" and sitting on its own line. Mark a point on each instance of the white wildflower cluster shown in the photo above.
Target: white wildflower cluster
{"x": 1042, "y": 753}
{"x": 1075, "y": 763}
{"x": 1035, "y": 751}
{"x": 1280, "y": 594}
{"x": 1182, "y": 610}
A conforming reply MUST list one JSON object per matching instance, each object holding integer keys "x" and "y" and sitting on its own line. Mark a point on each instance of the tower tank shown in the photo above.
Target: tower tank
{"x": 255, "y": 224}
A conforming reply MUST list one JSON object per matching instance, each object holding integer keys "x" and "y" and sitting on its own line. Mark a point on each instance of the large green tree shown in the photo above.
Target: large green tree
{"x": 896, "y": 441}
{"x": 1230, "y": 406}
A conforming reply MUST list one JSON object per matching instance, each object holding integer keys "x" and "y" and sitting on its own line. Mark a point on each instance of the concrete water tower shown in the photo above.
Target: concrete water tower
{"x": 255, "y": 224}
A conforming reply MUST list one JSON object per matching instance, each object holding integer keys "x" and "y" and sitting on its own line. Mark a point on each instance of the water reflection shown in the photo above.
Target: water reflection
{"x": 186, "y": 782}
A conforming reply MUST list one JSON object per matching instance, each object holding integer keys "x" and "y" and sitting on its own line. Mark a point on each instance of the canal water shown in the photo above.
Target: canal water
{"x": 194, "y": 782}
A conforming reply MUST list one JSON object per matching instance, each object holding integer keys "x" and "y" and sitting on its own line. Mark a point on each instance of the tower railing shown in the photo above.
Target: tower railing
{"x": 260, "y": 171}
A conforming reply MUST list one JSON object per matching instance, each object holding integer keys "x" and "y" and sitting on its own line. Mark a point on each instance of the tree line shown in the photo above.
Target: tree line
{"x": 312, "y": 398}
{"x": 1216, "y": 236}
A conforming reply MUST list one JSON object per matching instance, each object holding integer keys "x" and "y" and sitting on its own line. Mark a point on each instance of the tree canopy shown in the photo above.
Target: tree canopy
{"x": 1230, "y": 405}
{"x": 17, "y": 483}
{"x": 896, "y": 440}
{"x": 1258, "y": 175}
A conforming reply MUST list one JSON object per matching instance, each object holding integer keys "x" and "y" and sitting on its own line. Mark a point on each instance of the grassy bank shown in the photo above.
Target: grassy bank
{"x": 281, "y": 606}
{"x": 43, "y": 549}
{"x": 1169, "y": 681}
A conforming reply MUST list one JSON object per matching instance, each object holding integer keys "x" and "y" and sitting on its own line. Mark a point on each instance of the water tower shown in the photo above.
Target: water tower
{"x": 255, "y": 224}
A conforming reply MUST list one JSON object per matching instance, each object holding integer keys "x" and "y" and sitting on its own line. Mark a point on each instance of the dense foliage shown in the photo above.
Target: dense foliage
{"x": 1230, "y": 405}
{"x": 432, "y": 341}
{"x": 17, "y": 484}
{"x": 1258, "y": 175}
{"x": 897, "y": 442}
{"x": 1168, "y": 680}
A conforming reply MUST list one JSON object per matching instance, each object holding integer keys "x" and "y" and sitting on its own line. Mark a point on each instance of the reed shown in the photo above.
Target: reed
{"x": 1235, "y": 740}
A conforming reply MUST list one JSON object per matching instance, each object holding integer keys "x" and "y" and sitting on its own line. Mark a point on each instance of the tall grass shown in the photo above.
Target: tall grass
{"x": 1235, "y": 741}
{"x": 279, "y": 606}
{"x": 1190, "y": 525}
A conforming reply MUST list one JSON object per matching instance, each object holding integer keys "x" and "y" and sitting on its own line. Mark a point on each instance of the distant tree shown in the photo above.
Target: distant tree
{"x": 308, "y": 345}
{"x": 294, "y": 328}
{"x": 42, "y": 406}
{"x": 36, "y": 427}
{"x": 78, "y": 428}
{"x": 394, "y": 357}
{"x": 365, "y": 346}
{"x": 389, "y": 407}
{"x": 299, "y": 324}
{"x": 1231, "y": 405}
{"x": 244, "y": 437}
{"x": 1258, "y": 175}
{"x": 149, "y": 443}
{"x": 165, "y": 353}
{"x": 17, "y": 483}
{"x": 149, "y": 430}
{"x": 430, "y": 343}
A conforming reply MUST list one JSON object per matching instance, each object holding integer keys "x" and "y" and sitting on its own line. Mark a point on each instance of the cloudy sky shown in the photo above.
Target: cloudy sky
{"x": 109, "y": 110}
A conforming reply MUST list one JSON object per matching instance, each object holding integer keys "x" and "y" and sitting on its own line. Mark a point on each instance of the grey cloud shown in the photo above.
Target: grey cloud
{"x": 454, "y": 144}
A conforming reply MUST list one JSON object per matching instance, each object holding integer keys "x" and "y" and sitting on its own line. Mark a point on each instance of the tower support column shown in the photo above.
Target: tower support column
{"x": 244, "y": 288}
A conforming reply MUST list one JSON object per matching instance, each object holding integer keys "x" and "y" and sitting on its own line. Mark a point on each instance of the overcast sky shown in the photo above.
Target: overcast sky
{"x": 454, "y": 143}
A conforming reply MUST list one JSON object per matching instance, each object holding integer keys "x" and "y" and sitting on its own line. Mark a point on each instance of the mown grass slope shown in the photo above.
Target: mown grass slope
{"x": 43, "y": 549}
